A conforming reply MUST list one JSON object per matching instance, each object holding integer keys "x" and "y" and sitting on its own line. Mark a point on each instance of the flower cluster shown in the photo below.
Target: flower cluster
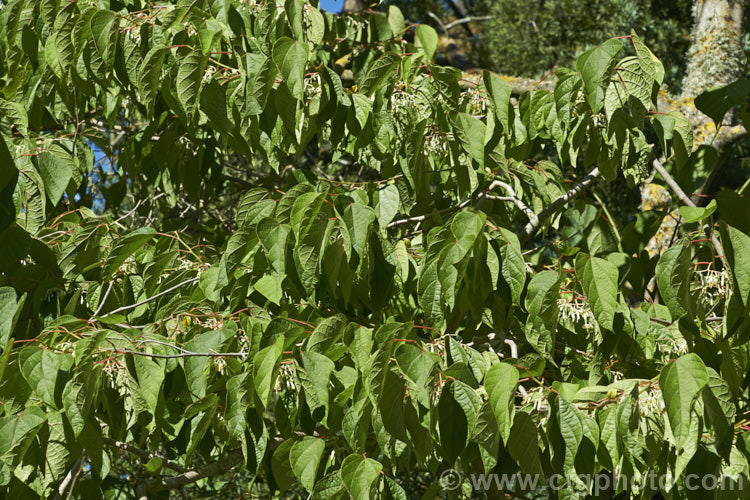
{"x": 220, "y": 364}
{"x": 436, "y": 143}
{"x": 478, "y": 101}
{"x": 116, "y": 374}
{"x": 209, "y": 73}
{"x": 312, "y": 85}
{"x": 712, "y": 285}
{"x": 651, "y": 401}
{"x": 576, "y": 311}
{"x": 535, "y": 398}
{"x": 287, "y": 379}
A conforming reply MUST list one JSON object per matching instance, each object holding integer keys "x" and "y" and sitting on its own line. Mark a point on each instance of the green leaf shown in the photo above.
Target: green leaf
{"x": 427, "y": 39}
{"x": 649, "y": 63}
{"x": 571, "y": 428}
{"x": 359, "y": 475}
{"x": 513, "y": 266}
{"x": 154, "y": 465}
{"x": 453, "y": 423}
{"x": 10, "y": 307}
{"x": 673, "y": 278}
{"x": 290, "y": 57}
{"x": 599, "y": 279}
{"x": 188, "y": 82}
{"x": 56, "y": 173}
{"x": 680, "y": 382}
{"x": 317, "y": 29}
{"x": 149, "y": 77}
{"x": 501, "y": 382}
{"x": 265, "y": 368}
{"x": 387, "y": 202}
{"x": 380, "y": 73}
{"x": 541, "y": 304}
{"x": 15, "y": 113}
{"x": 391, "y": 406}
{"x": 471, "y": 132}
{"x": 104, "y": 30}
{"x": 716, "y": 102}
{"x": 523, "y": 444}
{"x": 396, "y": 20}
{"x": 499, "y": 92}
{"x": 595, "y": 66}
{"x": 695, "y": 214}
{"x": 305, "y": 457}
{"x": 737, "y": 250}
{"x": 125, "y": 246}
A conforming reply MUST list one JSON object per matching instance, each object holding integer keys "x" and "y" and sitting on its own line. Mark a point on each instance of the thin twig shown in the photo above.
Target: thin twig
{"x": 125, "y": 308}
{"x": 213, "y": 469}
{"x": 421, "y": 218}
{"x": 187, "y": 354}
{"x": 101, "y": 304}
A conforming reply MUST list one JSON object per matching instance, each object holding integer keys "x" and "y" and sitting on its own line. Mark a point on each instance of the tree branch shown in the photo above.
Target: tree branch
{"x": 512, "y": 197}
{"x": 534, "y": 222}
{"x": 422, "y": 218}
{"x": 125, "y": 308}
{"x": 687, "y": 201}
{"x": 725, "y": 137}
{"x": 143, "y": 454}
{"x": 70, "y": 478}
{"x": 213, "y": 469}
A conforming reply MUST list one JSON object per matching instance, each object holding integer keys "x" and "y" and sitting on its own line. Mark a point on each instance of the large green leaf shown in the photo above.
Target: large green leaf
{"x": 673, "y": 278}
{"x": 188, "y": 82}
{"x": 680, "y": 382}
{"x": 541, "y": 304}
{"x": 599, "y": 279}
{"x": 359, "y": 475}
{"x": 595, "y": 66}
{"x": 290, "y": 57}
{"x": 501, "y": 382}
{"x": 305, "y": 457}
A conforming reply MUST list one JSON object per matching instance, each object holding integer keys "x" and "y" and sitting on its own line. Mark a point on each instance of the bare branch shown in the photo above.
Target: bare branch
{"x": 536, "y": 221}
{"x": 214, "y": 469}
{"x": 101, "y": 304}
{"x": 513, "y": 197}
{"x": 132, "y": 306}
{"x": 686, "y": 200}
{"x": 70, "y": 478}
{"x": 143, "y": 454}
{"x": 422, "y": 218}
{"x": 466, "y": 20}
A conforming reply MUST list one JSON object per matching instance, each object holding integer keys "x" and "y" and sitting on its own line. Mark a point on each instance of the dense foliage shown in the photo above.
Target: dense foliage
{"x": 530, "y": 38}
{"x": 217, "y": 255}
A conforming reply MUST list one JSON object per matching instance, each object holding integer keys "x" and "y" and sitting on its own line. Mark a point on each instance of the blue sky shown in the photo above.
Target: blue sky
{"x": 331, "y": 5}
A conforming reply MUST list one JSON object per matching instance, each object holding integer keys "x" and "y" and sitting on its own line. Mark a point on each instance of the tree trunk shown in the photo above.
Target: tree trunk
{"x": 715, "y": 53}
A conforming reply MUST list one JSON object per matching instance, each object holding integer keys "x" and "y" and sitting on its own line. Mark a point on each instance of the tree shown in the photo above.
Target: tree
{"x": 224, "y": 271}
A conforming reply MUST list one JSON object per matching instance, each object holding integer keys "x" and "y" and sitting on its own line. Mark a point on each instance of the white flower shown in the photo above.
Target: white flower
{"x": 535, "y": 398}
{"x": 576, "y": 311}
{"x": 312, "y": 85}
{"x": 220, "y": 364}
{"x": 651, "y": 401}
{"x": 286, "y": 379}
